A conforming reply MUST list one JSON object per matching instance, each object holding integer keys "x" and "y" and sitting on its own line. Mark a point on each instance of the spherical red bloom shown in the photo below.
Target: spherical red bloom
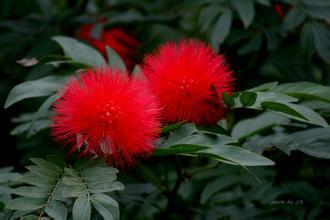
{"x": 119, "y": 40}
{"x": 107, "y": 114}
{"x": 188, "y": 78}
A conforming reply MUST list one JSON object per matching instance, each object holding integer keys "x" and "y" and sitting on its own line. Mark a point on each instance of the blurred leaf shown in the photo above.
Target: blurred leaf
{"x": 322, "y": 41}
{"x": 294, "y": 18}
{"x": 245, "y": 10}
{"x": 319, "y": 12}
{"x": 36, "y": 88}
{"x": 207, "y": 16}
{"x": 80, "y": 52}
{"x": 221, "y": 28}
{"x": 253, "y": 45}
{"x": 317, "y": 2}
{"x": 114, "y": 59}
{"x": 307, "y": 38}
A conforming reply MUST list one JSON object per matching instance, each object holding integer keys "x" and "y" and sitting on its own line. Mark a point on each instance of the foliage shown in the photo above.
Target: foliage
{"x": 277, "y": 118}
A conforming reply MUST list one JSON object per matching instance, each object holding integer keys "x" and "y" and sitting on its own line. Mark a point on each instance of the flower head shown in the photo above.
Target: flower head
{"x": 188, "y": 78}
{"x": 107, "y": 114}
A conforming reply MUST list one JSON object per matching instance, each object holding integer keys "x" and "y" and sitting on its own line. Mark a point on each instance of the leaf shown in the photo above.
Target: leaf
{"x": 207, "y": 16}
{"x": 307, "y": 39}
{"x": 82, "y": 208}
{"x": 253, "y": 45}
{"x": 221, "y": 28}
{"x": 248, "y": 127}
{"x": 105, "y": 187}
{"x": 47, "y": 165}
{"x": 245, "y": 11}
{"x": 56, "y": 210}
{"x": 80, "y": 52}
{"x": 114, "y": 59}
{"x": 248, "y": 98}
{"x": 31, "y": 192}
{"x": 322, "y": 41}
{"x": 296, "y": 112}
{"x": 42, "y": 111}
{"x": 178, "y": 149}
{"x": 25, "y": 204}
{"x": 319, "y": 12}
{"x": 106, "y": 206}
{"x": 36, "y": 180}
{"x": 36, "y": 88}
{"x": 238, "y": 155}
{"x": 294, "y": 18}
{"x": 306, "y": 90}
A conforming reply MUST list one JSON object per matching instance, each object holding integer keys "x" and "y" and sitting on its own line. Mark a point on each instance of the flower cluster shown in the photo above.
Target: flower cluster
{"x": 107, "y": 113}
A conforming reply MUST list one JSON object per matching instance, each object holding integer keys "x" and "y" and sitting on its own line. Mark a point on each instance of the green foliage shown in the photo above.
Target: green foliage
{"x": 58, "y": 191}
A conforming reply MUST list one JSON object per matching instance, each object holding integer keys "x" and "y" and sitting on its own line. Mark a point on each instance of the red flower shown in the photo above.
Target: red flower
{"x": 279, "y": 10}
{"x": 188, "y": 78}
{"x": 107, "y": 114}
{"x": 119, "y": 40}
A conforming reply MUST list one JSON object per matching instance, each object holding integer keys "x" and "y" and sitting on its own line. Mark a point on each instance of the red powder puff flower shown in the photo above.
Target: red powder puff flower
{"x": 118, "y": 39}
{"x": 188, "y": 78}
{"x": 107, "y": 114}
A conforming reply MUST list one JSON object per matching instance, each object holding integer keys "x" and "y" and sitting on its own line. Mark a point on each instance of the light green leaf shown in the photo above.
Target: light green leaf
{"x": 264, "y": 87}
{"x": 114, "y": 59}
{"x": 82, "y": 208}
{"x": 56, "y": 210}
{"x": 25, "y": 204}
{"x": 80, "y": 52}
{"x": 31, "y": 191}
{"x": 296, "y": 112}
{"x": 36, "y": 181}
{"x": 237, "y": 155}
{"x": 307, "y": 90}
{"x": 178, "y": 149}
{"x": 106, "y": 206}
{"x": 36, "y": 88}
{"x": 245, "y": 10}
{"x": 105, "y": 187}
{"x": 47, "y": 165}
{"x": 248, "y": 127}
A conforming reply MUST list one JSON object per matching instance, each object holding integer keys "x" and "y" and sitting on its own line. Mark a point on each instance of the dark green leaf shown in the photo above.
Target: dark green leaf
{"x": 114, "y": 59}
{"x": 294, "y": 18}
{"x": 245, "y": 11}
{"x": 221, "y": 28}
{"x": 248, "y": 98}
{"x": 36, "y": 88}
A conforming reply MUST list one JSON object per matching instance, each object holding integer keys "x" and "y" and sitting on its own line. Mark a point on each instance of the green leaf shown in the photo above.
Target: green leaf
{"x": 245, "y": 11}
{"x": 42, "y": 111}
{"x": 248, "y": 98}
{"x": 25, "y": 204}
{"x": 31, "y": 191}
{"x": 114, "y": 59}
{"x": 253, "y": 45}
{"x": 106, "y": 206}
{"x": 40, "y": 171}
{"x": 238, "y": 155}
{"x": 307, "y": 90}
{"x": 319, "y": 12}
{"x": 56, "y": 210}
{"x": 36, "y": 88}
{"x": 178, "y": 149}
{"x": 36, "y": 180}
{"x": 82, "y": 208}
{"x": 248, "y": 127}
{"x": 296, "y": 112}
{"x": 80, "y": 52}
{"x": 207, "y": 16}
{"x": 322, "y": 41}
{"x": 307, "y": 39}
{"x": 105, "y": 187}
{"x": 47, "y": 165}
{"x": 294, "y": 18}
{"x": 221, "y": 29}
